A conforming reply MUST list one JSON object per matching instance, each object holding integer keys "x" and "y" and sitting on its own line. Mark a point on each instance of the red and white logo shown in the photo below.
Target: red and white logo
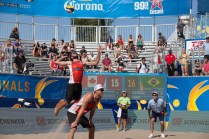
{"x": 156, "y": 7}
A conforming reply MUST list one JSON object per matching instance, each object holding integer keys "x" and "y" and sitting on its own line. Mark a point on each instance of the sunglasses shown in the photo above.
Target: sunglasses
{"x": 101, "y": 90}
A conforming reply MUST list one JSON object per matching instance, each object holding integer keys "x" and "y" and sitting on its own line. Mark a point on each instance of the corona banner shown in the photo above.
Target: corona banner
{"x": 96, "y": 8}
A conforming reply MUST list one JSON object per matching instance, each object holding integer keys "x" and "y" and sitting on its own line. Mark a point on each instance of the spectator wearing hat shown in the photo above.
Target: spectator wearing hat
{"x": 106, "y": 64}
{"x": 206, "y": 48}
{"x": 19, "y": 62}
{"x": 123, "y": 104}
{"x": 158, "y": 108}
{"x": 44, "y": 50}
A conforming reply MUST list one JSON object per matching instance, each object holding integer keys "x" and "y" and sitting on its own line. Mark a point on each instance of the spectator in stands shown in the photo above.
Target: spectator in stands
{"x": 109, "y": 43}
{"x": 130, "y": 48}
{"x": 197, "y": 68}
{"x": 91, "y": 58}
{"x": 130, "y": 40}
{"x": 83, "y": 50}
{"x": 122, "y": 114}
{"x": 72, "y": 45}
{"x": 44, "y": 50}
{"x": 159, "y": 54}
{"x": 135, "y": 57}
{"x": 142, "y": 67}
{"x": 15, "y": 33}
{"x": 6, "y": 49}
{"x": 184, "y": 60}
{"x": 60, "y": 46}
{"x": 54, "y": 41}
{"x": 16, "y": 46}
{"x": 117, "y": 50}
{"x": 205, "y": 67}
{"x": 120, "y": 42}
{"x": 139, "y": 42}
{"x": 52, "y": 51}
{"x": 180, "y": 29}
{"x": 206, "y": 48}
{"x": 120, "y": 64}
{"x": 36, "y": 49}
{"x": 54, "y": 66}
{"x": 162, "y": 39}
{"x": 106, "y": 64}
{"x": 170, "y": 59}
{"x": 19, "y": 62}
{"x": 155, "y": 71}
{"x": 65, "y": 51}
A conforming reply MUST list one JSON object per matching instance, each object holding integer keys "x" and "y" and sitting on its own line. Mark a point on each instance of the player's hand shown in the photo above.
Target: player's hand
{"x": 91, "y": 123}
{"x": 73, "y": 125}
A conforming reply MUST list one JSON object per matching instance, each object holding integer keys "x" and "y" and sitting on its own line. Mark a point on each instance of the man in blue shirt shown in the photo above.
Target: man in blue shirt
{"x": 206, "y": 48}
{"x": 158, "y": 108}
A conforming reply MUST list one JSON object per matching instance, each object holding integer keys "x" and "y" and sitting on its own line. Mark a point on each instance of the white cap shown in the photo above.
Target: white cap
{"x": 97, "y": 87}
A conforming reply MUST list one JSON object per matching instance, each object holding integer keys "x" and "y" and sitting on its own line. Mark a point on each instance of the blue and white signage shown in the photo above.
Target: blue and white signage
{"x": 96, "y": 8}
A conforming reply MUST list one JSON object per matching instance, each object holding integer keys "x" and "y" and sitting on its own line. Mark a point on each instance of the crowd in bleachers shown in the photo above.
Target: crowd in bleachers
{"x": 118, "y": 56}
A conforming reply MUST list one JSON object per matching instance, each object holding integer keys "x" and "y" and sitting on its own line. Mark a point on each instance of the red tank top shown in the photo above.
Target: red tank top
{"x": 53, "y": 64}
{"x": 75, "y": 108}
{"x": 76, "y": 72}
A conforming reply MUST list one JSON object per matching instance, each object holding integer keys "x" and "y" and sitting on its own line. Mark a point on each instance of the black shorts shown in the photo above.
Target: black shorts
{"x": 180, "y": 35}
{"x": 83, "y": 120}
{"x": 159, "y": 115}
{"x": 74, "y": 92}
{"x": 124, "y": 114}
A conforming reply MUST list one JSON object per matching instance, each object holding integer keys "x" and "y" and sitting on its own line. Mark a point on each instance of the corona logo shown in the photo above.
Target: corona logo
{"x": 84, "y": 6}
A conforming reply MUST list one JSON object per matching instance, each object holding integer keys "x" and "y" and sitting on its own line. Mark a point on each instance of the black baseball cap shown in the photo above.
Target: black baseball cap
{"x": 154, "y": 93}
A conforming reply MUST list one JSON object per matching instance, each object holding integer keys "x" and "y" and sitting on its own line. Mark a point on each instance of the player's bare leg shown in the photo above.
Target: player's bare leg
{"x": 61, "y": 104}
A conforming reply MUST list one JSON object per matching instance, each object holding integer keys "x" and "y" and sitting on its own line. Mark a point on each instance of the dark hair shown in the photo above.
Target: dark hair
{"x": 143, "y": 58}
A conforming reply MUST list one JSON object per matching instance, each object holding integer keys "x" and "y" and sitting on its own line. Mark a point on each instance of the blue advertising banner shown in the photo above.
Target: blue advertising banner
{"x": 96, "y": 8}
{"x": 188, "y": 93}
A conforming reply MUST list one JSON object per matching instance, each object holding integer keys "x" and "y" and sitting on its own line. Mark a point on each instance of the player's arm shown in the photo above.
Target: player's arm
{"x": 86, "y": 100}
{"x": 62, "y": 63}
{"x": 96, "y": 61}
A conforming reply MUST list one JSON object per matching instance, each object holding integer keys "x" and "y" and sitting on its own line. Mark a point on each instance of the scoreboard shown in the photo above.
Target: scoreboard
{"x": 138, "y": 86}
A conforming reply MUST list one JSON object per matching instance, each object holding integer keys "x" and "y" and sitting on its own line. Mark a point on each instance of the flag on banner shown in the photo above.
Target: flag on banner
{"x": 90, "y": 81}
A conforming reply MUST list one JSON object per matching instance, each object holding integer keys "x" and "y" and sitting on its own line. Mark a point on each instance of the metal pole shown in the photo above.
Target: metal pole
{"x": 33, "y": 29}
{"x": 98, "y": 33}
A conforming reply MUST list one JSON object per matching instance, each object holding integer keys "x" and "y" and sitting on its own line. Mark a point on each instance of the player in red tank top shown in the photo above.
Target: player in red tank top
{"x": 74, "y": 89}
{"x": 76, "y": 113}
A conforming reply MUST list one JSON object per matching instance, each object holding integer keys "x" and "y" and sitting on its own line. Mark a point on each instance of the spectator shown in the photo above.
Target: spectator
{"x": 184, "y": 60}
{"x": 109, "y": 43}
{"x": 159, "y": 54}
{"x": 205, "y": 67}
{"x": 54, "y": 41}
{"x": 54, "y": 66}
{"x": 206, "y": 48}
{"x": 121, "y": 64}
{"x": 44, "y": 50}
{"x": 170, "y": 59}
{"x": 6, "y": 48}
{"x": 91, "y": 58}
{"x": 117, "y": 51}
{"x": 135, "y": 57}
{"x": 16, "y": 46}
{"x": 123, "y": 104}
{"x": 61, "y": 45}
{"x": 84, "y": 59}
{"x": 15, "y": 33}
{"x": 36, "y": 50}
{"x": 72, "y": 45}
{"x": 142, "y": 67}
{"x": 158, "y": 108}
{"x": 120, "y": 42}
{"x": 83, "y": 50}
{"x": 19, "y": 62}
{"x": 130, "y": 40}
{"x": 106, "y": 64}
{"x": 64, "y": 51}
{"x": 139, "y": 42}
{"x": 53, "y": 51}
{"x": 180, "y": 29}
{"x": 155, "y": 71}
{"x": 162, "y": 39}
{"x": 197, "y": 68}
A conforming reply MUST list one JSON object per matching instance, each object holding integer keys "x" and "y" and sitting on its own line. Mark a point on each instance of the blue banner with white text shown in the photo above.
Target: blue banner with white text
{"x": 97, "y": 8}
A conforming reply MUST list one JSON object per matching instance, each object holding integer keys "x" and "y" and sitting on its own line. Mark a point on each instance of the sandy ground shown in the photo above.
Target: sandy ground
{"x": 111, "y": 134}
